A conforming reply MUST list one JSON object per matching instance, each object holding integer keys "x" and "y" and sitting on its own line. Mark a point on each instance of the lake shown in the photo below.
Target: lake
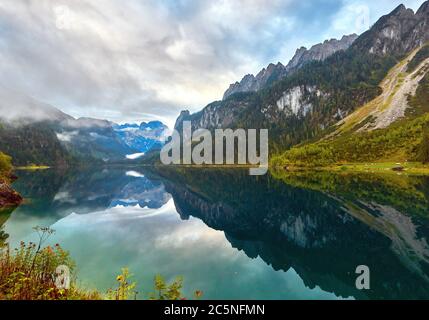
{"x": 235, "y": 236}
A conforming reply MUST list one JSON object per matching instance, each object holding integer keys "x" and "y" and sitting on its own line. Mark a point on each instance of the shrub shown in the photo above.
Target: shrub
{"x": 5, "y": 163}
{"x": 125, "y": 289}
{"x": 26, "y": 274}
{"x": 164, "y": 291}
{"x": 310, "y": 155}
{"x": 29, "y": 272}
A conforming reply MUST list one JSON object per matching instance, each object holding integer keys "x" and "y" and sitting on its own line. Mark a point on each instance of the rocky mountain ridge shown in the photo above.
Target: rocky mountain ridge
{"x": 397, "y": 33}
{"x": 275, "y": 72}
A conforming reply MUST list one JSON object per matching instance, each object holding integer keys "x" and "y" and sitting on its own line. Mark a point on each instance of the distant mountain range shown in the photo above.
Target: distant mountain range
{"x": 37, "y": 133}
{"x": 143, "y": 137}
{"x": 310, "y": 98}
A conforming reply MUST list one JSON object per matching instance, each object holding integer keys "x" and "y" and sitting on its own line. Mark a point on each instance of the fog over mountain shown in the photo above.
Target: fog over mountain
{"x": 35, "y": 132}
{"x": 15, "y": 106}
{"x": 139, "y": 61}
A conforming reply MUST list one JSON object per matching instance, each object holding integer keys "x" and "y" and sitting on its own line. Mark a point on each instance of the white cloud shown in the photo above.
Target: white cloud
{"x": 353, "y": 18}
{"x": 67, "y": 136}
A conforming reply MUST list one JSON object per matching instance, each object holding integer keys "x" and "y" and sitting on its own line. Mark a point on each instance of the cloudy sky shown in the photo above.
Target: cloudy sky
{"x": 135, "y": 60}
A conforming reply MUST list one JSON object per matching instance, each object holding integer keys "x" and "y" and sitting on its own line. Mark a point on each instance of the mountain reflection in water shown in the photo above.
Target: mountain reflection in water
{"x": 231, "y": 235}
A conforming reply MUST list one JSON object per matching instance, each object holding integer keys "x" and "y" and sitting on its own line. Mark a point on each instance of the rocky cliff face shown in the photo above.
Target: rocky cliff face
{"x": 216, "y": 115}
{"x": 275, "y": 72}
{"x": 320, "y": 52}
{"x": 251, "y": 83}
{"x": 294, "y": 102}
{"x": 397, "y": 33}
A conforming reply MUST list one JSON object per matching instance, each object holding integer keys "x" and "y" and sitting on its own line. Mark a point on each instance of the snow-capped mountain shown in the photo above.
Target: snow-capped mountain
{"x": 142, "y": 137}
{"x": 35, "y": 132}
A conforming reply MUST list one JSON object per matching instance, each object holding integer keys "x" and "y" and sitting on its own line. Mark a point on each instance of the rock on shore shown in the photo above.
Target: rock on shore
{"x": 8, "y": 196}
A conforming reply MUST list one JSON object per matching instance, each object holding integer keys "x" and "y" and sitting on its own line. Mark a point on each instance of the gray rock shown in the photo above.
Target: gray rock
{"x": 397, "y": 33}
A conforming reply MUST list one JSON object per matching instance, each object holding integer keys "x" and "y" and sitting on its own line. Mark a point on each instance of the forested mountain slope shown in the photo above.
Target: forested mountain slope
{"x": 392, "y": 127}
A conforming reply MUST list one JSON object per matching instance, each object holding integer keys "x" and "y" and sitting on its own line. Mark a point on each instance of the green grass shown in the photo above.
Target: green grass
{"x": 33, "y": 167}
{"x": 400, "y": 142}
{"x": 393, "y": 168}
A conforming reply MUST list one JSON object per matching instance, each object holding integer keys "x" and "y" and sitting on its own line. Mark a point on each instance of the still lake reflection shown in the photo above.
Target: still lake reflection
{"x": 233, "y": 236}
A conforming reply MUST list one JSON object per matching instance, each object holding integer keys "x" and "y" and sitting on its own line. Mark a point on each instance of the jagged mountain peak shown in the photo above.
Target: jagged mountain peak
{"x": 185, "y": 114}
{"x": 397, "y": 33}
{"x": 350, "y": 37}
{"x": 270, "y": 68}
{"x": 399, "y": 10}
{"x": 274, "y": 72}
{"x": 152, "y": 125}
{"x": 321, "y": 51}
{"x": 424, "y": 8}
{"x": 302, "y": 49}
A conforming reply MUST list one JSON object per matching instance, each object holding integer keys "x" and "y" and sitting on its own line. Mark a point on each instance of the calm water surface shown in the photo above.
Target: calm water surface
{"x": 233, "y": 236}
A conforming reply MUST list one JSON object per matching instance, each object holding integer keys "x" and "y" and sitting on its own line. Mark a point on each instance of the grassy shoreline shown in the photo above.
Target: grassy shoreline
{"x": 414, "y": 168}
{"x": 32, "y": 167}
{"x": 411, "y": 168}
